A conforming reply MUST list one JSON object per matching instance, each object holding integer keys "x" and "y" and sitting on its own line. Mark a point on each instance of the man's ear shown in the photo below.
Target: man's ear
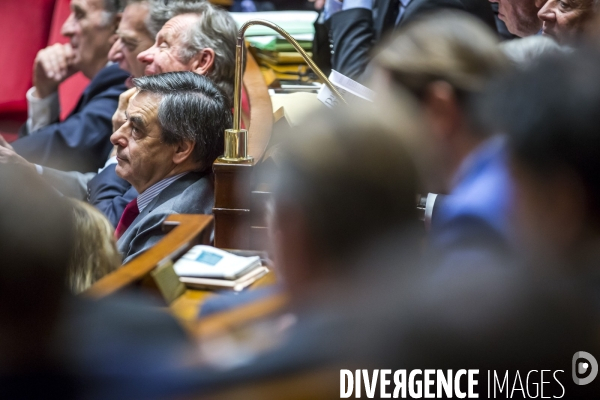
{"x": 183, "y": 151}
{"x": 203, "y": 62}
{"x": 442, "y": 106}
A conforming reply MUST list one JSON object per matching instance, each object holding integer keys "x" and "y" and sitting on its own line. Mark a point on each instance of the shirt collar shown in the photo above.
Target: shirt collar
{"x": 404, "y": 2}
{"x": 149, "y": 194}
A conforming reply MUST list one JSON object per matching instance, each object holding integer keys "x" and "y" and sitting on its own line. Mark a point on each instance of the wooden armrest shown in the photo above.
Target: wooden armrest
{"x": 225, "y": 3}
{"x": 184, "y": 231}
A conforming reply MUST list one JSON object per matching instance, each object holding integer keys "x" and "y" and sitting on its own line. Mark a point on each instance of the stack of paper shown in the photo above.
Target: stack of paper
{"x": 293, "y": 22}
{"x": 276, "y": 57}
{"x": 211, "y": 268}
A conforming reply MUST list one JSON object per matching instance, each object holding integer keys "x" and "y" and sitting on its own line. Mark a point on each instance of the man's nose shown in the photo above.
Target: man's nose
{"x": 147, "y": 56}
{"x": 546, "y": 13}
{"x": 68, "y": 28}
{"x": 118, "y": 138}
{"x": 116, "y": 51}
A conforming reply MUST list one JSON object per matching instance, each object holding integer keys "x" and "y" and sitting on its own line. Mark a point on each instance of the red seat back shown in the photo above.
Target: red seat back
{"x": 24, "y": 28}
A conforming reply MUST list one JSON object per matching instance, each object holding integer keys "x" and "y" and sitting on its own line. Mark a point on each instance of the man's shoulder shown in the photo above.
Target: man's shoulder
{"x": 191, "y": 194}
{"x": 110, "y": 80}
{"x": 110, "y": 74}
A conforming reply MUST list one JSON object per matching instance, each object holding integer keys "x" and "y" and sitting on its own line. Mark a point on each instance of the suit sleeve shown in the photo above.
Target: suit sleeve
{"x": 110, "y": 194}
{"x": 71, "y": 184}
{"x": 467, "y": 242}
{"x": 148, "y": 234}
{"x": 80, "y": 143}
{"x": 352, "y": 34}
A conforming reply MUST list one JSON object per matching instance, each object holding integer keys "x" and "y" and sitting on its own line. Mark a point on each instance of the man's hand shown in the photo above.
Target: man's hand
{"x": 118, "y": 118}
{"x": 8, "y": 156}
{"x": 318, "y": 4}
{"x": 52, "y": 65}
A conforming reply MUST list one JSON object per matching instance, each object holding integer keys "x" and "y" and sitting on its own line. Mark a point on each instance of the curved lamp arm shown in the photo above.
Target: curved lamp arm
{"x": 236, "y": 139}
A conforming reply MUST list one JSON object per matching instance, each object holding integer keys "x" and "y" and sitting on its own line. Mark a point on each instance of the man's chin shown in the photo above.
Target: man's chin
{"x": 120, "y": 170}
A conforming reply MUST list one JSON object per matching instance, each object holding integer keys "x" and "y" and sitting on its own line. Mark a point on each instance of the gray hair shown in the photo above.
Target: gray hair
{"x": 155, "y": 19}
{"x": 111, "y": 9}
{"x": 191, "y": 108}
{"x": 215, "y": 30}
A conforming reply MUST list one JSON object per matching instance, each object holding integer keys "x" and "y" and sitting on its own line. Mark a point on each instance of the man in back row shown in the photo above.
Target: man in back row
{"x": 198, "y": 37}
{"x": 80, "y": 142}
{"x": 356, "y": 25}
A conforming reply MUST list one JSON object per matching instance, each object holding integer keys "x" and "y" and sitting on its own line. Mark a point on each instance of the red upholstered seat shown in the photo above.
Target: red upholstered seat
{"x": 24, "y": 28}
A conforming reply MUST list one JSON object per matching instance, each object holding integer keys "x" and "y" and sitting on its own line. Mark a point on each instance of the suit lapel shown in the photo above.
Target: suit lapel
{"x": 174, "y": 189}
{"x": 409, "y": 11}
{"x": 107, "y": 77}
{"x": 382, "y": 23}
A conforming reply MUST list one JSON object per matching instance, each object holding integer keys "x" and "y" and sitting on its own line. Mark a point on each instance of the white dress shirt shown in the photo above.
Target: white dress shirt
{"x": 149, "y": 194}
{"x": 41, "y": 112}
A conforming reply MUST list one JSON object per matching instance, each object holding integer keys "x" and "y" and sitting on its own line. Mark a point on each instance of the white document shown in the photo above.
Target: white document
{"x": 347, "y": 87}
{"x": 210, "y": 262}
{"x": 296, "y": 23}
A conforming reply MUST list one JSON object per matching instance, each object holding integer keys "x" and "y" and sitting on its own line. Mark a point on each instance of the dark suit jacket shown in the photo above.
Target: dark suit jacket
{"x": 193, "y": 193}
{"x": 81, "y": 142}
{"x": 110, "y": 194}
{"x": 356, "y": 31}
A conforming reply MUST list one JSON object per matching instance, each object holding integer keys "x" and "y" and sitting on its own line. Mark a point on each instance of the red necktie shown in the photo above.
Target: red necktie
{"x": 129, "y": 214}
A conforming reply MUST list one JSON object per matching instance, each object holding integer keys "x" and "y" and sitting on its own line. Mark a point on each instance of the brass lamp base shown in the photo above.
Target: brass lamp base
{"x": 227, "y": 160}
{"x": 236, "y": 147}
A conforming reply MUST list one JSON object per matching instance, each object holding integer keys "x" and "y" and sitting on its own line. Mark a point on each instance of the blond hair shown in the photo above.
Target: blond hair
{"x": 95, "y": 251}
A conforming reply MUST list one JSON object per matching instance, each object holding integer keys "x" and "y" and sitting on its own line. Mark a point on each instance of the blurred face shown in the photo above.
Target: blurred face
{"x": 143, "y": 159}
{"x": 164, "y": 55}
{"x": 91, "y": 34}
{"x": 133, "y": 38}
{"x": 565, "y": 20}
{"x": 520, "y": 16}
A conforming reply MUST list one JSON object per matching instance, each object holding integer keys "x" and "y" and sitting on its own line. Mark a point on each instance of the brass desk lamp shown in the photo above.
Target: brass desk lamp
{"x": 236, "y": 139}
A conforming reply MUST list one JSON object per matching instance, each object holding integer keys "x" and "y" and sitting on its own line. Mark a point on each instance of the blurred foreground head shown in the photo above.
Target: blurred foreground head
{"x": 35, "y": 245}
{"x": 550, "y": 112}
{"x": 445, "y": 60}
{"x": 95, "y": 251}
{"x": 347, "y": 179}
{"x": 504, "y": 322}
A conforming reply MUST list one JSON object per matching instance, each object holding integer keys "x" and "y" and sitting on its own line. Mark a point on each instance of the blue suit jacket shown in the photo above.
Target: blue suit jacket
{"x": 110, "y": 194}
{"x": 81, "y": 142}
{"x": 471, "y": 226}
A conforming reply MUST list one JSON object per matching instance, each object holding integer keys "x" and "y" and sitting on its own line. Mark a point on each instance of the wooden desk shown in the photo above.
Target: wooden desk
{"x": 187, "y": 307}
{"x": 184, "y": 231}
{"x": 224, "y": 3}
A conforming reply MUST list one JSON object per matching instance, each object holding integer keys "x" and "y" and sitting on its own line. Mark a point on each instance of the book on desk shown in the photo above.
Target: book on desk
{"x": 206, "y": 267}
